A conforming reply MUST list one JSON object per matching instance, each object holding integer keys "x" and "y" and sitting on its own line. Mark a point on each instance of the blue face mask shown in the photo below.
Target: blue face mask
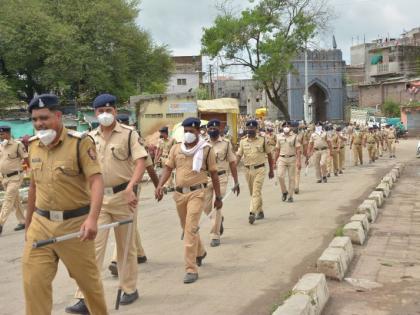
{"x": 214, "y": 133}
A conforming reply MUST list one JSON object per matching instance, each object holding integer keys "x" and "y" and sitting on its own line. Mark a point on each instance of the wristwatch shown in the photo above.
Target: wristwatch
{"x": 219, "y": 198}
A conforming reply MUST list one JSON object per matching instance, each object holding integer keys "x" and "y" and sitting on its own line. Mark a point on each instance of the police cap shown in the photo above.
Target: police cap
{"x": 104, "y": 100}
{"x": 49, "y": 101}
{"x": 191, "y": 122}
{"x": 213, "y": 123}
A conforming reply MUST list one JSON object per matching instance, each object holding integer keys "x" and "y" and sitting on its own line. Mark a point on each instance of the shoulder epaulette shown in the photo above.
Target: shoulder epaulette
{"x": 76, "y": 134}
{"x": 127, "y": 127}
{"x": 31, "y": 139}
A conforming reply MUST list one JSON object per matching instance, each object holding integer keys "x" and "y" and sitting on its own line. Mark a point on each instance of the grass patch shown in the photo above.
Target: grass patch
{"x": 283, "y": 298}
{"x": 339, "y": 231}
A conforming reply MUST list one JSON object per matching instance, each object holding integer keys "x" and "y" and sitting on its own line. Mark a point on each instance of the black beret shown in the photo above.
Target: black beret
{"x": 213, "y": 123}
{"x": 338, "y": 129}
{"x": 104, "y": 100}
{"x": 319, "y": 123}
{"x": 123, "y": 118}
{"x": 191, "y": 122}
{"x": 286, "y": 123}
{"x": 4, "y": 129}
{"x": 252, "y": 123}
{"x": 164, "y": 129}
{"x": 49, "y": 101}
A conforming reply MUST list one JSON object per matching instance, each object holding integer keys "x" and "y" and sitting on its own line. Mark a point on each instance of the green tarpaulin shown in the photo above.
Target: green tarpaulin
{"x": 376, "y": 59}
{"x": 20, "y": 128}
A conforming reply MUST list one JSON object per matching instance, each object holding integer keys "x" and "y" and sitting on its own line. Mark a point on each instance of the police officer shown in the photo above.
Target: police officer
{"x": 288, "y": 148}
{"x": 390, "y": 136}
{"x": 122, "y": 160}
{"x": 192, "y": 160}
{"x": 225, "y": 160}
{"x": 270, "y": 137}
{"x": 342, "y": 153}
{"x": 141, "y": 255}
{"x": 303, "y": 139}
{"x": 319, "y": 148}
{"x": 164, "y": 147}
{"x": 336, "y": 145}
{"x": 357, "y": 141}
{"x": 63, "y": 164}
{"x": 254, "y": 150}
{"x": 12, "y": 153}
{"x": 372, "y": 143}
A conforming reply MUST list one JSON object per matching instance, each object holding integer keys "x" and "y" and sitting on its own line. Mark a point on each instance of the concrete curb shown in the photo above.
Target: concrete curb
{"x": 368, "y": 207}
{"x": 363, "y": 219}
{"x": 384, "y": 188}
{"x": 378, "y": 196}
{"x": 298, "y": 304}
{"x": 388, "y": 180}
{"x": 333, "y": 263}
{"x": 355, "y": 231}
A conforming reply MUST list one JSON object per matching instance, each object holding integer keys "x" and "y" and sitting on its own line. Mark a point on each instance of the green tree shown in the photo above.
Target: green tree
{"x": 202, "y": 93}
{"x": 391, "y": 109}
{"x": 79, "y": 48}
{"x": 266, "y": 38}
{"x": 6, "y": 93}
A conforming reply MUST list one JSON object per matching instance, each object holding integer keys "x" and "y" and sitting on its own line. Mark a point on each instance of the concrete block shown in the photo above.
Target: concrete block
{"x": 393, "y": 175}
{"x": 297, "y": 304}
{"x": 362, "y": 218}
{"x": 384, "y": 188}
{"x": 368, "y": 207}
{"x": 315, "y": 286}
{"x": 355, "y": 231}
{"x": 378, "y": 196}
{"x": 388, "y": 180}
{"x": 343, "y": 242}
{"x": 333, "y": 263}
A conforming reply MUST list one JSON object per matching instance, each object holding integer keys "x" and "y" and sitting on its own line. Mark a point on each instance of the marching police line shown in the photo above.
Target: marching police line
{"x": 79, "y": 181}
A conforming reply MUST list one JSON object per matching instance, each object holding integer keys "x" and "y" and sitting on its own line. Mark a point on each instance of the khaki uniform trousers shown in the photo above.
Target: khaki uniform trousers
{"x": 115, "y": 208}
{"x": 371, "y": 147}
{"x": 216, "y": 218}
{"x": 334, "y": 160}
{"x": 287, "y": 165}
{"x": 341, "y": 158}
{"x": 255, "y": 180}
{"x": 137, "y": 241}
{"x": 330, "y": 166}
{"x": 189, "y": 207}
{"x": 40, "y": 266}
{"x": 320, "y": 163}
{"x": 357, "y": 154}
{"x": 391, "y": 146}
{"x": 11, "y": 200}
{"x": 297, "y": 176}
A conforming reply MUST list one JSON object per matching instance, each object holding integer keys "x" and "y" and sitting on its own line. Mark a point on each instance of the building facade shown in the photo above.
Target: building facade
{"x": 187, "y": 75}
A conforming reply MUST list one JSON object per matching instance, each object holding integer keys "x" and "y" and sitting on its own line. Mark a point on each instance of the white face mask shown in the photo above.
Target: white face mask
{"x": 318, "y": 129}
{"x": 286, "y": 129}
{"x": 106, "y": 119}
{"x": 202, "y": 132}
{"x": 189, "y": 137}
{"x": 46, "y": 136}
{"x": 5, "y": 142}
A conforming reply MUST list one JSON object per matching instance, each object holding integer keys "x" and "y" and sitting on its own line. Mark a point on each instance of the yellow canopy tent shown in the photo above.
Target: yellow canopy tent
{"x": 261, "y": 112}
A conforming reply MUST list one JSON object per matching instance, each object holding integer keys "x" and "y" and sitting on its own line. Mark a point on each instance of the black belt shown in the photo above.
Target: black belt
{"x": 221, "y": 173}
{"x": 357, "y": 144}
{"x": 391, "y": 138}
{"x": 63, "y": 215}
{"x": 121, "y": 187}
{"x": 371, "y": 142}
{"x": 183, "y": 190}
{"x": 254, "y": 166}
{"x": 287, "y": 156}
{"x": 341, "y": 147}
{"x": 11, "y": 174}
{"x": 322, "y": 149}
{"x": 335, "y": 148}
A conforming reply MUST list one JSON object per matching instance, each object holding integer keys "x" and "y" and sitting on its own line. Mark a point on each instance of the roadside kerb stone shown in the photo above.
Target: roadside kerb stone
{"x": 343, "y": 242}
{"x": 363, "y": 219}
{"x": 297, "y": 304}
{"x": 378, "y": 196}
{"x": 393, "y": 175}
{"x": 368, "y": 207}
{"x": 333, "y": 263}
{"x": 388, "y": 180}
{"x": 384, "y": 188}
{"x": 315, "y": 286}
{"x": 355, "y": 231}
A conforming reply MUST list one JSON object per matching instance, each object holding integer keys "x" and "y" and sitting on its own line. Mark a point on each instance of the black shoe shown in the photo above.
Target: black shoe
{"x": 290, "y": 199}
{"x": 222, "y": 229}
{"x": 199, "y": 259}
{"x": 324, "y": 179}
{"x": 328, "y": 175}
{"x": 78, "y": 308}
{"x": 297, "y": 191}
{"x": 191, "y": 277}
{"x": 319, "y": 181}
{"x": 20, "y": 226}
{"x": 113, "y": 268}
{"x": 1, "y": 229}
{"x": 340, "y": 172}
{"x": 141, "y": 259}
{"x": 284, "y": 196}
{"x": 214, "y": 243}
{"x": 335, "y": 174}
{"x": 129, "y": 298}
{"x": 251, "y": 218}
{"x": 260, "y": 215}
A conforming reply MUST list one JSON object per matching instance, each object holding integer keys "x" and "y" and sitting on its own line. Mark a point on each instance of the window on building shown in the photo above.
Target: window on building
{"x": 182, "y": 81}
{"x": 153, "y": 116}
{"x": 175, "y": 115}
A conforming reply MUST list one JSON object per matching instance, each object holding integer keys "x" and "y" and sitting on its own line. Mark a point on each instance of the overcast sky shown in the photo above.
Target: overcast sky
{"x": 179, "y": 23}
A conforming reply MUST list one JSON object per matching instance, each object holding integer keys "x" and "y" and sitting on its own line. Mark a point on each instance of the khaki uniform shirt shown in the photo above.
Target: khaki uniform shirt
{"x": 224, "y": 153}
{"x": 371, "y": 138}
{"x": 113, "y": 154}
{"x": 287, "y": 144}
{"x": 184, "y": 174}
{"x": 11, "y": 156}
{"x": 358, "y": 137}
{"x": 271, "y": 139}
{"x": 319, "y": 140}
{"x": 335, "y": 141}
{"x": 165, "y": 145}
{"x": 254, "y": 151}
{"x": 390, "y": 134}
{"x": 60, "y": 175}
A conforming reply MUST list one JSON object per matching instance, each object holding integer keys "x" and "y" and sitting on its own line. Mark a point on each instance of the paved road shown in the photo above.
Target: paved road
{"x": 255, "y": 266}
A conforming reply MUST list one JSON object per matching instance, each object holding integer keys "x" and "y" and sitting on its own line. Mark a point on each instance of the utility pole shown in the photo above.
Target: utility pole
{"x": 211, "y": 82}
{"x": 306, "y": 96}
